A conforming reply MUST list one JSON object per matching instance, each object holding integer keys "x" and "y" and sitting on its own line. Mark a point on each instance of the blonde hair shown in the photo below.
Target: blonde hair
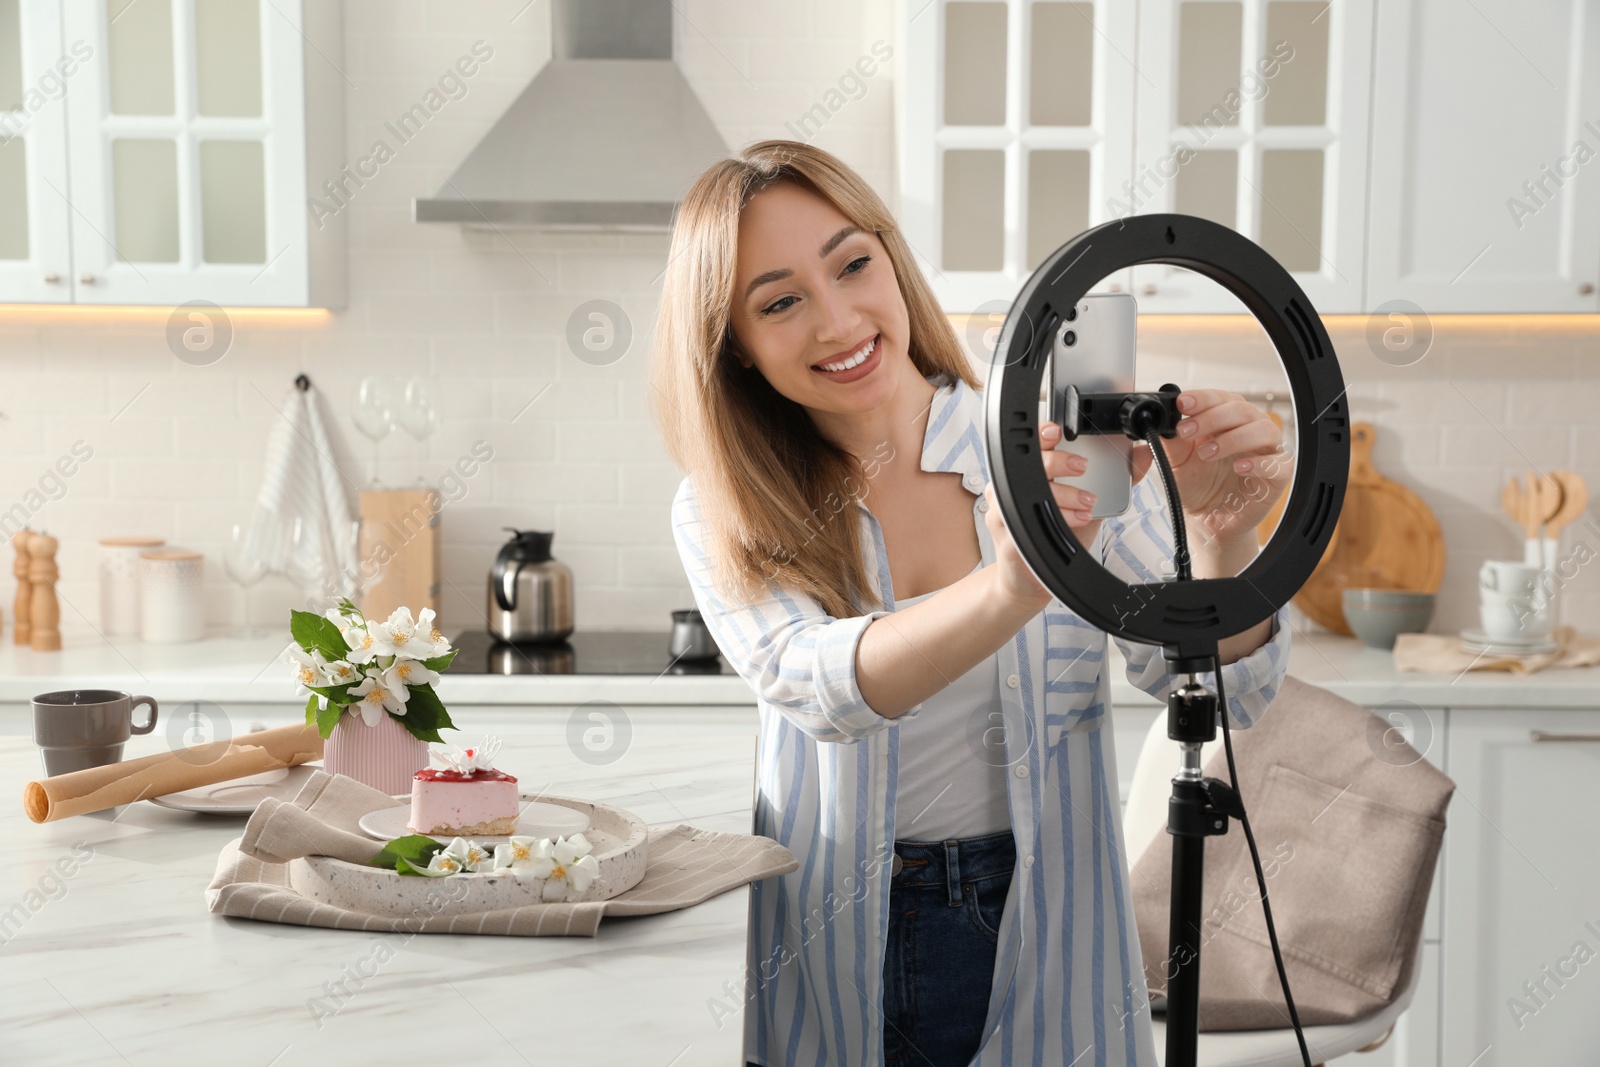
{"x": 768, "y": 484}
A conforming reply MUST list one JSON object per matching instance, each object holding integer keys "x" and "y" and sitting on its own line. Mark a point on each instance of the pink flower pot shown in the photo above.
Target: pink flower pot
{"x": 384, "y": 756}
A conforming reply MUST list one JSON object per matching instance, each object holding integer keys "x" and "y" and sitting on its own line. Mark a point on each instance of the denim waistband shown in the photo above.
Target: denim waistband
{"x": 949, "y": 863}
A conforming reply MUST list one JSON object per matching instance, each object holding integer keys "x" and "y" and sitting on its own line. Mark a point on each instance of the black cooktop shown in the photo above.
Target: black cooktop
{"x": 593, "y": 652}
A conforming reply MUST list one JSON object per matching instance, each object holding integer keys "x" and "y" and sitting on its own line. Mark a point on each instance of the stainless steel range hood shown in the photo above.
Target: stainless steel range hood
{"x": 607, "y": 136}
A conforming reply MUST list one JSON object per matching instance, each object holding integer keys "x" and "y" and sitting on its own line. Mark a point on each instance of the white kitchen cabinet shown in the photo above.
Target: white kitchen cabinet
{"x": 1014, "y": 140}
{"x": 1521, "y": 976}
{"x": 35, "y": 257}
{"x": 1015, "y": 133}
{"x": 180, "y": 162}
{"x": 1426, "y": 152}
{"x": 1484, "y": 193}
{"x": 1253, "y": 114}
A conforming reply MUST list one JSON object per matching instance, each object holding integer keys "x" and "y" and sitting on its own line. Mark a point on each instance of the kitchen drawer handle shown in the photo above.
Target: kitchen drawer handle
{"x": 1541, "y": 735}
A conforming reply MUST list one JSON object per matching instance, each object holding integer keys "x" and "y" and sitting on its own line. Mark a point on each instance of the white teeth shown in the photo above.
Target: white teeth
{"x": 855, "y": 360}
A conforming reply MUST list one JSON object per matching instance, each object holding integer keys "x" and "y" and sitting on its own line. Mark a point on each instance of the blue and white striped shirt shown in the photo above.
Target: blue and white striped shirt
{"x": 1068, "y": 970}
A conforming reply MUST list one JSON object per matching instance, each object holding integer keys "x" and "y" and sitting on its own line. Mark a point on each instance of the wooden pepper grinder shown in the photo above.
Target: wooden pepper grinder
{"x": 21, "y": 606}
{"x": 44, "y": 615}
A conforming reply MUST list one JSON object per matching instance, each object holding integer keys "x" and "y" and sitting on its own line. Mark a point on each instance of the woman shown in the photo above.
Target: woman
{"x": 931, "y": 745}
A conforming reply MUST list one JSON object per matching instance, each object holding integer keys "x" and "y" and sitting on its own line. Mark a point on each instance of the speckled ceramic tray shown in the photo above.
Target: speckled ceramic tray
{"x": 618, "y": 837}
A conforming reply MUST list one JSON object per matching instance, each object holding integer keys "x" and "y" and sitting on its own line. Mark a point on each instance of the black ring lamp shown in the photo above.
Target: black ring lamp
{"x": 1187, "y": 618}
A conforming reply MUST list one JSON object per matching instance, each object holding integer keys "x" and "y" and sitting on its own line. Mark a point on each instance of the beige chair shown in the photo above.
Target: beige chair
{"x": 1145, "y": 818}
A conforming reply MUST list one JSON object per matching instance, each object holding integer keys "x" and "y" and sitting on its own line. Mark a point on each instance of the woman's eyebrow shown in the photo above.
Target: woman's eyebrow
{"x": 778, "y": 275}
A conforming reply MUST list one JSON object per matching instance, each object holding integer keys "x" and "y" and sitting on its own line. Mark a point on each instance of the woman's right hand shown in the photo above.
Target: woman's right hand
{"x": 1016, "y": 578}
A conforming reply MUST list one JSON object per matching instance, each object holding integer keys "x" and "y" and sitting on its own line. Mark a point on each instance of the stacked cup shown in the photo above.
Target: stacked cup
{"x": 1515, "y": 600}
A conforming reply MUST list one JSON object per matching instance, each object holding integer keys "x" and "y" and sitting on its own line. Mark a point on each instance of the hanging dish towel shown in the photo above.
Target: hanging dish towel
{"x": 303, "y": 482}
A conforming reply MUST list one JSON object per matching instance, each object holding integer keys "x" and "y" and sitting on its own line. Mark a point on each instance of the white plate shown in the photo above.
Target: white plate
{"x": 239, "y": 796}
{"x": 1476, "y": 642}
{"x": 1478, "y": 637}
{"x": 538, "y": 819}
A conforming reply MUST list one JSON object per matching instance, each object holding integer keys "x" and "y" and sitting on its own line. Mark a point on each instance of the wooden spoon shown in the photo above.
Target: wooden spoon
{"x": 1574, "y": 500}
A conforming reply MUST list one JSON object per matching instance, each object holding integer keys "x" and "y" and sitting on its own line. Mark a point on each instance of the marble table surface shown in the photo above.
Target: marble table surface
{"x": 109, "y": 956}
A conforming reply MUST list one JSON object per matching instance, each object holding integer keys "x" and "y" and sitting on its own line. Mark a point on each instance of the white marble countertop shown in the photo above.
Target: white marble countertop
{"x": 231, "y": 671}
{"x": 168, "y": 982}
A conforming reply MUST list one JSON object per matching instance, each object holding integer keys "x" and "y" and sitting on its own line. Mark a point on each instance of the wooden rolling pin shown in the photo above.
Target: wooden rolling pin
{"x": 99, "y": 788}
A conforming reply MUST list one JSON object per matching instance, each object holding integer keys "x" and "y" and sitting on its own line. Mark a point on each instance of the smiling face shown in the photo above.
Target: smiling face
{"x": 812, "y": 290}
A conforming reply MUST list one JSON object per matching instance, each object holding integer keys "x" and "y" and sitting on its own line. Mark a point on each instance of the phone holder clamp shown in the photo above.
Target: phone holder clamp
{"x": 1111, "y": 414}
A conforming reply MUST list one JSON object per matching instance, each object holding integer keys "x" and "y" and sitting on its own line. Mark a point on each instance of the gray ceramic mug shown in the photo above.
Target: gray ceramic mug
{"x": 80, "y": 728}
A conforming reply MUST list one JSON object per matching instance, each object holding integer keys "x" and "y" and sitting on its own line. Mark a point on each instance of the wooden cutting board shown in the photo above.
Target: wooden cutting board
{"x": 1386, "y": 538}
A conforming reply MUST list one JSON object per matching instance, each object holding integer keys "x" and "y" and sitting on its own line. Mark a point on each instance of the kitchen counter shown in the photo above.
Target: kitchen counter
{"x": 227, "y": 671}
{"x": 120, "y": 962}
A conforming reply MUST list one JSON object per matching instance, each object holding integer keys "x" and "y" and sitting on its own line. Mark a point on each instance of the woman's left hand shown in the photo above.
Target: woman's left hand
{"x": 1228, "y": 463}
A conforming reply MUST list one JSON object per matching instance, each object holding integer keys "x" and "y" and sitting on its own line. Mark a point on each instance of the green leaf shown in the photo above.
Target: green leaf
{"x": 311, "y": 710}
{"x": 328, "y": 718}
{"x": 416, "y": 848}
{"x": 311, "y": 631}
{"x": 335, "y": 693}
{"x": 441, "y": 663}
{"x": 425, "y": 715}
{"x": 405, "y": 866}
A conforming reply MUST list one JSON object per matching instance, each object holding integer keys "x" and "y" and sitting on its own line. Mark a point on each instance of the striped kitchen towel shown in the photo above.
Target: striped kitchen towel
{"x": 684, "y": 867}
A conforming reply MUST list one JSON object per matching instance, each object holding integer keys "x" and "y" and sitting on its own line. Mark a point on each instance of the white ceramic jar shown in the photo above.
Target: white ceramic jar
{"x": 171, "y": 595}
{"x": 119, "y": 583}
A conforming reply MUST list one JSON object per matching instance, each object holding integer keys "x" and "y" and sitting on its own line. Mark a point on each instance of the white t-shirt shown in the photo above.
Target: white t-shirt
{"x": 952, "y": 777}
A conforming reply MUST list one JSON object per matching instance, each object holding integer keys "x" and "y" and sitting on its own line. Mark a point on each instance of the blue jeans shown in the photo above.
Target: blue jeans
{"x": 944, "y": 921}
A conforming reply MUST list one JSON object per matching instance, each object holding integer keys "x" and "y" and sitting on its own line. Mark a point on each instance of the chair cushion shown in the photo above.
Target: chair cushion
{"x": 1348, "y": 819}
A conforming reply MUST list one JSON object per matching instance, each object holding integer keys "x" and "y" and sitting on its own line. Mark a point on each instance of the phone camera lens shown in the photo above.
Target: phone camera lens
{"x": 1072, "y": 313}
{"x": 1069, "y": 338}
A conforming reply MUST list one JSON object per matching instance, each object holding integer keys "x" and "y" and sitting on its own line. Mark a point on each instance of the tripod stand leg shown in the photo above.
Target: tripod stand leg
{"x": 1183, "y": 940}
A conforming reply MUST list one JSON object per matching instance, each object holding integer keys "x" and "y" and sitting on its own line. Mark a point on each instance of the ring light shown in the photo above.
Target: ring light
{"x": 1188, "y": 618}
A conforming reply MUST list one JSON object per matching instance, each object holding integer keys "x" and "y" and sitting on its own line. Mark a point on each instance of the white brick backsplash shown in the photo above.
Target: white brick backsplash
{"x": 651, "y": 566}
{"x": 559, "y": 483}
{"x": 172, "y": 479}
{"x": 615, "y": 524}
{"x": 483, "y": 316}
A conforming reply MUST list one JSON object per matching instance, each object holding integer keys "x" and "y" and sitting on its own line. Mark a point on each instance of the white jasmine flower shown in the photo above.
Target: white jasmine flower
{"x": 375, "y": 698}
{"x": 438, "y": 643}
{"x": 444, "y": 863}
{"x": 340, "y": 672}
{"x": 458, "y": 856}
{"x": 310, "y": 669}
{"x": 517, "y": 856}
{"x": 566, "y": 867}
{"x": 398, "y": 636}
{"x": 404, "y": 672}
{"x": 363, "y": 645}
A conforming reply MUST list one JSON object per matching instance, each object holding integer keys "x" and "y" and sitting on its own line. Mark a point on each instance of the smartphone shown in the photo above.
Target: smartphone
{"x": 1094, "y": 349}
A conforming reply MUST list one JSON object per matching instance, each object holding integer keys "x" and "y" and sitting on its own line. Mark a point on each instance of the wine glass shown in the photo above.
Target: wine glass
{"x": 418, "y": 414}
{"x": 374, "y": 417}
{"x": 245, "y": 567}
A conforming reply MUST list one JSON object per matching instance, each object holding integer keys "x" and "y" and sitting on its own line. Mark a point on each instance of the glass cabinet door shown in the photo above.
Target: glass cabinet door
{"x": 190, "y": 122}
{"x": 1022, "y": 143}
{"x": 36, "y": 69}
{"x": 1257, "y": 121}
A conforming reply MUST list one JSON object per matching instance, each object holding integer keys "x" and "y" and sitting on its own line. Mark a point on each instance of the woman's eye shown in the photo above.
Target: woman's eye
{"x": 855, "y": 266}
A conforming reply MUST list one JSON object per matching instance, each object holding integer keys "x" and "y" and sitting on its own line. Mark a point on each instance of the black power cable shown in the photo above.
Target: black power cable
{"x": 1180, "y": 562}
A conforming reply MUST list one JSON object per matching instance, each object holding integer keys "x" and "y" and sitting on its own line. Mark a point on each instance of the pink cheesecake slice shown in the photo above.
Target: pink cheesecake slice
{"x": 483, "y": 803}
